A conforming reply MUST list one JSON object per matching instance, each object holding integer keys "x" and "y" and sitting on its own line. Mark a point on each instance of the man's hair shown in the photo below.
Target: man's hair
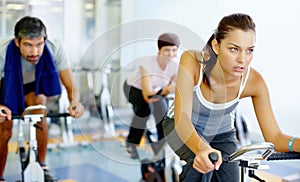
{"x": 168, "y": 39}
{"x": 30, "y": 27}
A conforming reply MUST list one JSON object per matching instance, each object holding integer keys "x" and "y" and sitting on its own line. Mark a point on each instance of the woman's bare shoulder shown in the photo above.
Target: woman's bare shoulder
{"x": 255, "y": 83}
{"x": 190, "y": 62}
{"x": 191, "y": 57}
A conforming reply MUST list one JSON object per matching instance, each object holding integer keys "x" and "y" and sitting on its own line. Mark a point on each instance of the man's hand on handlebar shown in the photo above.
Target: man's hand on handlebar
{"x": 5, "y": 113}
{"x": 76, "y": 110}
{"x": 203, "y": 164}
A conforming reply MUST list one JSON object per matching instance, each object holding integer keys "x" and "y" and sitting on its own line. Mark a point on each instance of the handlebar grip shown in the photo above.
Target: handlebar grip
{"x": 284, "y": 156}
{"x": 213, "y": 157}
{"x": 73, "y": 108}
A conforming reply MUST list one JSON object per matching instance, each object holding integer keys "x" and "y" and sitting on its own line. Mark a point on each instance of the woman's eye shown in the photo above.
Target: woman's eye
{"x": 233, "y": 49}
{"x": 250, "y": 51}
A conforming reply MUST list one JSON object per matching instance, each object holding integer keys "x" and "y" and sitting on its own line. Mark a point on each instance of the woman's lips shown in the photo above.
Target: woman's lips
{"x": 239, "y": 69}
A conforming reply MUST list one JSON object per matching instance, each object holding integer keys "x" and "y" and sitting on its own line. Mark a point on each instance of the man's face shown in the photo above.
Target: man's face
{"x": 169, "y": 52}
{"x": 31, "y": 49}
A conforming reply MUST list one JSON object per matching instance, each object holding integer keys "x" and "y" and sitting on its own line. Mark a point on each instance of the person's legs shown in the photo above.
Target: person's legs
{"x": 142, "y": 112}
{"x": 227, "y": 143}
{"x": 189, "y": 174}
{"x": 136, "y": 132}
{"x": 5, "y": 135}
{"x": 228, "y": 172}
{"x": 159, "y": 112}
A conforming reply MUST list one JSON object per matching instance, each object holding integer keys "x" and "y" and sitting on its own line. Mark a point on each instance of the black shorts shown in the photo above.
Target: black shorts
{"x": 29, "y": 87}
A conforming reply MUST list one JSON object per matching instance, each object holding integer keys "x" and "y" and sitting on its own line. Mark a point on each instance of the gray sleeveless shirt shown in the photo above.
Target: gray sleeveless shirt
{"x": 210, "y": 119}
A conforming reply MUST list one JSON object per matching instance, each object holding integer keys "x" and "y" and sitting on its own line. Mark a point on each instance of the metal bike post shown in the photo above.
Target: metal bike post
{"x": 106, "y": 108}
{"x": 21, "y": 148}
{"x": 33, "y": 171}
{"x": 32, "y": 141}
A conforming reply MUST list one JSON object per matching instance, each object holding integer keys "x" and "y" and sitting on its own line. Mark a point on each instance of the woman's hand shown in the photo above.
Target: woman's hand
{"x": 202, "y": 162}
{"x": 5, "y": 113}
{"x": 169, "y": 89}
{"x": 76, "y": 110}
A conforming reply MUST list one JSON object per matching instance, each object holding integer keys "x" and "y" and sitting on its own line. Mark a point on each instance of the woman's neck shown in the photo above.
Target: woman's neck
{"x": 219, "y": 76}
{"x": 162, "y": 62}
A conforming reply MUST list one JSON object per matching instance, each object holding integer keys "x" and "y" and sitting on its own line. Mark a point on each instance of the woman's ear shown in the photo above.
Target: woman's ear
{"x": 215, "y": 46}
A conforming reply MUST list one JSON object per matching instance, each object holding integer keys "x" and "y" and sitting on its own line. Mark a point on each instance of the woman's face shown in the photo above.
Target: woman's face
{"x": 169, "y": 52}
{"x": 235, "y": 52}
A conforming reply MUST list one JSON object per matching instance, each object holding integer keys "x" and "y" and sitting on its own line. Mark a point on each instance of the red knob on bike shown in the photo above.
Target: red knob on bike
{"x": 213, "y": 157}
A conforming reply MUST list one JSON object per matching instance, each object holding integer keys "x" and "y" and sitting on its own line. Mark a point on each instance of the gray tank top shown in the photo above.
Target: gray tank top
{"x": 210, "y": 119}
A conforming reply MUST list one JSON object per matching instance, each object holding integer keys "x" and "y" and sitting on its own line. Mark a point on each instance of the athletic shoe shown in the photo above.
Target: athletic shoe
{"x": 2, "y": 179}
{"x": 48, "y": 177}
{"x": 132, "y": 151}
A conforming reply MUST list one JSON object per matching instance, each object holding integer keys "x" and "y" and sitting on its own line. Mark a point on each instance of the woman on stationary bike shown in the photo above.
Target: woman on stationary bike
{"x": 209, "y": 86}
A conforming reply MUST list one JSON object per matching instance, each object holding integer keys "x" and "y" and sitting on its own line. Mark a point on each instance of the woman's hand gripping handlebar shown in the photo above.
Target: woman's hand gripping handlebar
{"x": 207, "y": 160}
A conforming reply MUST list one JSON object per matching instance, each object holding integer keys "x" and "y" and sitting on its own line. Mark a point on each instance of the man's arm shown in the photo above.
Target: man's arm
{"x": 75, "y": 109}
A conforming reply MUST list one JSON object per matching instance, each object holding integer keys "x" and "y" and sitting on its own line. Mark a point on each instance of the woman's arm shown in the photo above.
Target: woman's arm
{"x": 146, "y": 84}
{"x": 147, "y": 87}
{"x": 187, "y": 77}
{"x": 170, "y": 88}
{"x": 265, "y": 116}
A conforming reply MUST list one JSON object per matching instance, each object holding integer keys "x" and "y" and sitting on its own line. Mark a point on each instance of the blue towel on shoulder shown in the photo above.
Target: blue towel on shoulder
{"x": 46, "y": 78}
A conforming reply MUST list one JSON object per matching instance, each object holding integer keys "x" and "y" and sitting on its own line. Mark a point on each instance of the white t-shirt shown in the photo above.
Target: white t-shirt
{"x": 159, "y": 77}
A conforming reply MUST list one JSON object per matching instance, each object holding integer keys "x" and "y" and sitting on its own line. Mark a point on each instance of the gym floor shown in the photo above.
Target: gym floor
{"x": 99, "y": 161}
{"x": 93, "y": 157}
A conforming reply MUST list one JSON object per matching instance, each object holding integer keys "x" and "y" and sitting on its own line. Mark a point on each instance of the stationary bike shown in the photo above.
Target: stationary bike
{"x": 250, "y": 156}
{"x": 31, "y": 170}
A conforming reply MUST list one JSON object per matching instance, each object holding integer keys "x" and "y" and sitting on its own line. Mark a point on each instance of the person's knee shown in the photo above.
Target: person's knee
{"x": 32, "y": 99}
{"x": 142, "y": 112}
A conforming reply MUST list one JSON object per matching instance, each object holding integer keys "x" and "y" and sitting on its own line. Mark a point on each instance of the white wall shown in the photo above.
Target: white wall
{"x": 276, "y": 54}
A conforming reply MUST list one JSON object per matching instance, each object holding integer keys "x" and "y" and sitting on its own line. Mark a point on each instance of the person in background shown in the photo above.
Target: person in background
{"x": 32, "y": 68}
{"x": 209, "y": 85}
{"x": 146, "y": 89}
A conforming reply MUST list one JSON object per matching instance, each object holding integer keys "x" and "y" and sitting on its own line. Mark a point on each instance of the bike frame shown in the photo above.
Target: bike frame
{"x": 31, "y": 170}
{"x": 249, "y": 162}
{"x": 104, "y": 104}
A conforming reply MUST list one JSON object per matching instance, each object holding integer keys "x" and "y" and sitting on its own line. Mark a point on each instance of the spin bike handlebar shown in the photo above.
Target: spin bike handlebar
{"x": 267, "y": 147}
{"x": 268, "y": 154}
{"x": 38, "y": 107}
{"x": 284, "y": 156}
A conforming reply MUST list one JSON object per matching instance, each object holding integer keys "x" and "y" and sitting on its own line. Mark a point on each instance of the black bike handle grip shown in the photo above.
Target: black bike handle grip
{"x": 213, "y": 157}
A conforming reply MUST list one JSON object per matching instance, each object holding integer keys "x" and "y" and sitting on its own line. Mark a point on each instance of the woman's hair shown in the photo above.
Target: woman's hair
{"x": 228, "y": 23}
{"x": 30, "y": 27}
{"x": 168, "y": 39}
